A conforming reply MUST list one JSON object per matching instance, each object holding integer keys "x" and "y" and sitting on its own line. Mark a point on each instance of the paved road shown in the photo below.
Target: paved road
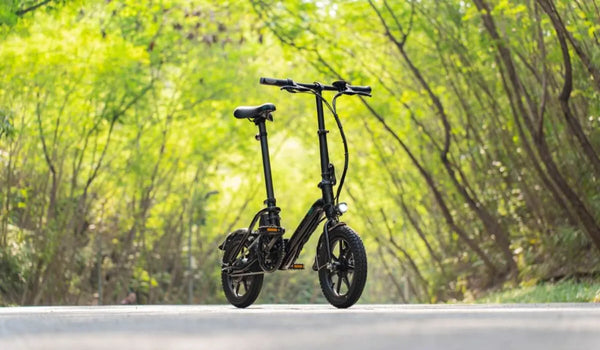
{"x": 553, "y": 326}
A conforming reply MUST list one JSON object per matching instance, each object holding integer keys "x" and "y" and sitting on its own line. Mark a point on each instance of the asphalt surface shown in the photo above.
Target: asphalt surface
{"x": 548, "y": 326}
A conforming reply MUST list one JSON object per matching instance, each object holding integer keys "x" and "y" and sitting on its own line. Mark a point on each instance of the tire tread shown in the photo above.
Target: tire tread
{"x": 360, "y": 269}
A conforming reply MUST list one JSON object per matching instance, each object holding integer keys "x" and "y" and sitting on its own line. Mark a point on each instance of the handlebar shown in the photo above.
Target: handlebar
{"x": 340, "y": 86}
{"x": 276, "y": 82}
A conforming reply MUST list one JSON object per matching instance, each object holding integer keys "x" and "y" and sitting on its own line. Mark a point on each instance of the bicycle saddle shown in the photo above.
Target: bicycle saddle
{"x": 252, "y": 112}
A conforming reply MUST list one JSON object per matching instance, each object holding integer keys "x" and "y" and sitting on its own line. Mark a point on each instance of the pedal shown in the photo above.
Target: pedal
{"x": 271, "y": 230}
{"x": 296, "y": 267}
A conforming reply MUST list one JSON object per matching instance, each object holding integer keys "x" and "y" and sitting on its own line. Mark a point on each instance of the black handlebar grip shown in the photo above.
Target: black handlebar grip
{"x": 276, "y": 82}
{"x": 357, "y": 88}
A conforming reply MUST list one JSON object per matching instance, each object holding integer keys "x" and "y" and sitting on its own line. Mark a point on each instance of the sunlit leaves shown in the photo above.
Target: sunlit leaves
{"x": 6, "y": 127}
{"x": 140, "y": 93}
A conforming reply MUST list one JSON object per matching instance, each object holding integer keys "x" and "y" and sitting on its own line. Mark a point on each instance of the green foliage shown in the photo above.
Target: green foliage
{"x": 14, "y": 272}
{"x": 115, "y": 124}
{"x": 6, "y": 127}
{"x": 8, "y": 16}
{"x": 569, "y": 291}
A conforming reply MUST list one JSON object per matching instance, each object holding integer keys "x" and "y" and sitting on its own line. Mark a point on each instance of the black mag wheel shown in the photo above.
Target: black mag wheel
{"x": 240, "y": 291}
{"x": 343, "y": 277}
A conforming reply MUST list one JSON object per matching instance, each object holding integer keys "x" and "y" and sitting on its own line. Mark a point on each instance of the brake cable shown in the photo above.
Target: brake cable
{"x": 344, "y": 141}
{"x": 333, "y": 110}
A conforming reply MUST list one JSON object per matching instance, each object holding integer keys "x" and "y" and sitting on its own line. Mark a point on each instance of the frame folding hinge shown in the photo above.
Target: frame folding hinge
{"x": 331, "y": 174}
{"x": 328, "y": 177}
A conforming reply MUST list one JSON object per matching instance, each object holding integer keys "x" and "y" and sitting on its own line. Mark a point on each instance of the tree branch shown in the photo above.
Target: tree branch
{"x": 22, "y": 12}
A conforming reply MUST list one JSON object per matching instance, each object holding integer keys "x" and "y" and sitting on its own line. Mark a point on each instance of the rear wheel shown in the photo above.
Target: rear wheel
{"x": 240, "y": 291}
{"x": 343, "y": 277}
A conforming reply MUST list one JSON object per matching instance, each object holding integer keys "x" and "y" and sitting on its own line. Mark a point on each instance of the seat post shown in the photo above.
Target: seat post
{"x": 262, "y": 137}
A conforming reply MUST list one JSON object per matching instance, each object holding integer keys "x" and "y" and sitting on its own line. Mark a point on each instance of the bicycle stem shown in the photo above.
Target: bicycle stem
{"x": 327, "y": 169}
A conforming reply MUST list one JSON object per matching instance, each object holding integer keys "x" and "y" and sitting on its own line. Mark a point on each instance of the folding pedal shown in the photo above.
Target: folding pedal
{"x": 271, "y": 230}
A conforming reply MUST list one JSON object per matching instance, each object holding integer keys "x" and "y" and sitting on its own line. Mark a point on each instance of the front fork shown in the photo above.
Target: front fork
{"x": 329, "y": 226}
{"x": 326, "y": 235}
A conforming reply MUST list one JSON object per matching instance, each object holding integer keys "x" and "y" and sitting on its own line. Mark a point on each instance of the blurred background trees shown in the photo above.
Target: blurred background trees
{"x": 474, "y": 166}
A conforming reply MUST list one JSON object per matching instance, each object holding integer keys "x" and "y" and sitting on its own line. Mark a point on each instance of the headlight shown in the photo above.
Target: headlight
{"x": 342, "y": 207}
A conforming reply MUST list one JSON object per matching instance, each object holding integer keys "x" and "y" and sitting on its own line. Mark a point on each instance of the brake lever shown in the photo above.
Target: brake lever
{"x": 352, "y": 92}
{"x": 294, "y": 88}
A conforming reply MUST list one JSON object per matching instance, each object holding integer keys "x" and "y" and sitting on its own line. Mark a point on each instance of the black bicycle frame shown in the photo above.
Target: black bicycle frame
{"x": 314, "y": 216}
{"x": 322, "y": 207}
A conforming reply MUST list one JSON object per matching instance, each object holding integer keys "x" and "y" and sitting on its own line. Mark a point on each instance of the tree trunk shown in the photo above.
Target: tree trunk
{"x": 436, "y": 194}
{"x": 587, "y": 219}
{"x": 565, "y": 94}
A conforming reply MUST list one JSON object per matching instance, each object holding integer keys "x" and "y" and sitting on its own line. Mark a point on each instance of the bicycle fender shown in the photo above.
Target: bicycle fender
{"x": 229, "y": 237}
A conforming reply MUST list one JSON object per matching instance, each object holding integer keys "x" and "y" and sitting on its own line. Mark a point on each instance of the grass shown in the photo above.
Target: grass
{"x": 569, "y": 291}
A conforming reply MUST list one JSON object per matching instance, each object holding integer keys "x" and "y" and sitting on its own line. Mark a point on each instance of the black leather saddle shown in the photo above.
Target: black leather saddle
{"x": 253, "y": 112}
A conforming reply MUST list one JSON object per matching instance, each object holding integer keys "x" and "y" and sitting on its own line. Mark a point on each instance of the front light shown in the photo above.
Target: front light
{"x": 342, "y": 207}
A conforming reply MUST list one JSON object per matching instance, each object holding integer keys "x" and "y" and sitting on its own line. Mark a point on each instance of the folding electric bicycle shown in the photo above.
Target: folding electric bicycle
{"x": 340, "y": 259}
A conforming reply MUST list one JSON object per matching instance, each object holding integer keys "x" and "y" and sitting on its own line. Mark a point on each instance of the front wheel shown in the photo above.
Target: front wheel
{"x": 344, "y": 275}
